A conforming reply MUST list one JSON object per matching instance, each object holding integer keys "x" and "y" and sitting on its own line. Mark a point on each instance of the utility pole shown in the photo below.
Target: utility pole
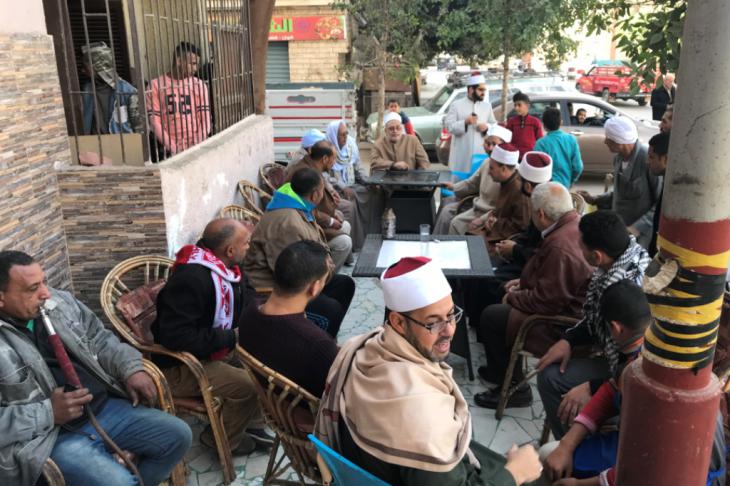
{"x": 670, "y": 396}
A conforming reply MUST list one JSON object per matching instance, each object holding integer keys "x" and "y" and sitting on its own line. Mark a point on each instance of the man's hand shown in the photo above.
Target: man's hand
{"x": 632, "y": 229}
{"x": 523, "y": 464}
{"x": 573, "y": 402}
{"x": 470, "y": 120}
{"x": 587, "y": 197}
{"x": 558, "y": 352}
{"x": 336, "y": 198}
{"x": 68, "y": 406}
{"x": 504, "y": 248}
{"x": 400, "y": 165}
{"x": 559, "y": 464}
{"x": 335, "y": 224}
{"x": 448, "y": 185}
{"x": 490, "y": 222}
{"x": 512, "y": 285}
{"x": 349, "y": 193}
{"x": 138, "y": 384}
{"x": 475, "y": 225}
{"x": 482, "y": 126}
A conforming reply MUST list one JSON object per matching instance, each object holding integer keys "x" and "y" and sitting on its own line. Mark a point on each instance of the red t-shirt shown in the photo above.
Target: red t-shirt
{"x": 525, "y": 132}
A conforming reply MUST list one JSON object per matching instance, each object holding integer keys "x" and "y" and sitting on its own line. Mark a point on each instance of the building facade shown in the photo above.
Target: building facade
{"x": 309, "y": 41}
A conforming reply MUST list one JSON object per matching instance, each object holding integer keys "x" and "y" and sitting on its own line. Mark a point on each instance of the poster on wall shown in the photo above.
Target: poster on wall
{"x": 330, "y": 27}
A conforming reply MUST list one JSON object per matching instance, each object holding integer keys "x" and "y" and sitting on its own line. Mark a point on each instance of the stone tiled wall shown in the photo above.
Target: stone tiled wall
{"x": 32, "y": 139}
{"x": 110, "y": 214}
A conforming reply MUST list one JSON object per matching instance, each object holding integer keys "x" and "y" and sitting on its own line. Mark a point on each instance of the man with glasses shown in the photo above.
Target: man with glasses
{"x": 397, "y": 151}
{"x": 467, "y": 121}
{"x": 391, "y": 404}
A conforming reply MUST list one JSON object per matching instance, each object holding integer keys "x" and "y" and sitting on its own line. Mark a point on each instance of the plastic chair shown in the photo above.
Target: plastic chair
{"x": 476, "y": 161}
{"x": 342, "y": 470}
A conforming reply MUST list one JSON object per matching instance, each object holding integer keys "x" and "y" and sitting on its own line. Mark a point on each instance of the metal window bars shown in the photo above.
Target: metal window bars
{"x": 190, "y": 67}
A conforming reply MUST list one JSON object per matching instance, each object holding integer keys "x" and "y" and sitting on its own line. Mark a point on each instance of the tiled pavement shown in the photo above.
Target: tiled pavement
{"x": 518, "y": 426}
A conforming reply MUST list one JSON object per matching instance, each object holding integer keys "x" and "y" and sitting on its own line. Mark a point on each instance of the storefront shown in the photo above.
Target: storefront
{"x": 308, "y": 42}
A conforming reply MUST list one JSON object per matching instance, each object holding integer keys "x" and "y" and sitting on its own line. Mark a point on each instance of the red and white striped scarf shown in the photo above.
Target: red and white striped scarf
{"x": 223, "y": 278}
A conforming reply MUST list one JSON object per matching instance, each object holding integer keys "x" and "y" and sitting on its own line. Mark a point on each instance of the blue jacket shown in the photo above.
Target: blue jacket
{"x": 564, "y": 150}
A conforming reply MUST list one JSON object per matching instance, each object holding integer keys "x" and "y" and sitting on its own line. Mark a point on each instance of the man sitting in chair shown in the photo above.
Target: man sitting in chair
{"x": 278, "y": 332}
{"x": 553, "y": 282}
{"x": 391, "y": 405}
{"x": 397, "y": 151}
{"x": 198, "y": 311}
{"x": 567, "y": 384}
{"x": 43, "y": 416}
{"x": 288, "y": 219}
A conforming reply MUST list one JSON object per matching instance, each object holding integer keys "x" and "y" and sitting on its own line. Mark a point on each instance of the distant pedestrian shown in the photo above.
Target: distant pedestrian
{"x": 662, "y": 96}
{"x": 468, "y": 120}
{"x": 562, "y": 148}
{"x": 526, "y": 129}
{"x": 394, "y": 106}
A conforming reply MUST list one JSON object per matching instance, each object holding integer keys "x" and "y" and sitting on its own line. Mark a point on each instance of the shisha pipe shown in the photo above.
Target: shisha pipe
{"x": 73, "y": 379}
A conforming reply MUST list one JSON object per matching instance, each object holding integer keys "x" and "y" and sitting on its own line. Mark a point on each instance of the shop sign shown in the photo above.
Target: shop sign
{"x": 330, "y": 27}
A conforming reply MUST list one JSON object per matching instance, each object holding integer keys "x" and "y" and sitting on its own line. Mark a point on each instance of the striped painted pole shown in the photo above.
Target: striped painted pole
{"x": 670, "y": 396}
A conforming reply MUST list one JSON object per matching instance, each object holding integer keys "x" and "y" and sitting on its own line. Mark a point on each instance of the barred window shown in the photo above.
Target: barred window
{"x": 143, "y": 80}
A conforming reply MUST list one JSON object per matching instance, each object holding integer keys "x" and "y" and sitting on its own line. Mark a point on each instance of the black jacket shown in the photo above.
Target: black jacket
{"x": 659, "y": 100}
{"x": 527, "y": 243}
{"x": 185, "y": 310}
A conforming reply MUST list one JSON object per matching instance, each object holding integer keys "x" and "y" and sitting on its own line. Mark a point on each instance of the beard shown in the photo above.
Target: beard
{"x": 425, "y": 352}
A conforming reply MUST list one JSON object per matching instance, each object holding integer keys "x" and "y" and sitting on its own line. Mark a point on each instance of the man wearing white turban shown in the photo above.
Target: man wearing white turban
{"x": 396, "y": 150}
{"x": 391, "y": 404}
{"x": 468, "y": 120}
{"x": 635, "y": 189}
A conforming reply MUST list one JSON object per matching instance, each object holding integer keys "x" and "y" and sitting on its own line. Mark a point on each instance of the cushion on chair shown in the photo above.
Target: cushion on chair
{"x": 139, "y": 310}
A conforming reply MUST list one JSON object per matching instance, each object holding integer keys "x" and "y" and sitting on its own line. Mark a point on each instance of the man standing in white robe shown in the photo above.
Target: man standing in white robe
{"x": 468, "y": 120}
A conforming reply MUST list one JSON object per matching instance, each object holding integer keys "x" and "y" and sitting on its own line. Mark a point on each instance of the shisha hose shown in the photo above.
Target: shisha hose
{"x": 73, "y": 379}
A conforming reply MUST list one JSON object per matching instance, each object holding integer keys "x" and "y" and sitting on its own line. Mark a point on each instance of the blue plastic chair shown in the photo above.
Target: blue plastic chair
{"x": 344, "y": 471}
{"x": 476, "y": 161}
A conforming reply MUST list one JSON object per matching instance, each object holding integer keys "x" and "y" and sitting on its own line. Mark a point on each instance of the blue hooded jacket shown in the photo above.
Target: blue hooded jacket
{"x": 286, "y": 198}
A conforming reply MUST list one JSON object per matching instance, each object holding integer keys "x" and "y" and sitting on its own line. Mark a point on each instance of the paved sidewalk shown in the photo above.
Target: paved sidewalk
{"x": 518, "y": 426}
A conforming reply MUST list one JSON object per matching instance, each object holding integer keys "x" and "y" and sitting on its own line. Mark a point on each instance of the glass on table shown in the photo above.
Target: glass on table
{"x": 425, "y": 232}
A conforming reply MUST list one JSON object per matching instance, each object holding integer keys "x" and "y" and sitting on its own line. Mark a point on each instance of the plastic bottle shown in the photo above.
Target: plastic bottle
{"x": 388, "y": 224}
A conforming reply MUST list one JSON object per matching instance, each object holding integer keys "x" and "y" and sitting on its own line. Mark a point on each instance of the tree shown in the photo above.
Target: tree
{"x": 394, "y": 37}
{"x": 649, "y": 32}
{"x": 482, "y": 30}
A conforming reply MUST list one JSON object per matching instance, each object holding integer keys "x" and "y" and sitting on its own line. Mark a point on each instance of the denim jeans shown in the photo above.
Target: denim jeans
{"x": 160, "y": 440}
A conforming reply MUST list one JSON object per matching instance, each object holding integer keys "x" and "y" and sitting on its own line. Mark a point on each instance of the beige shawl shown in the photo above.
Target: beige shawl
{"x": 399, "y": 406}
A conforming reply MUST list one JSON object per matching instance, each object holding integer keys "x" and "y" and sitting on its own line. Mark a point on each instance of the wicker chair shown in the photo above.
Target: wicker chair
{"x": 273, "y": 176}
{"x": 289, "y": 410}
{"x": 141, "y": 271}
{"x": 240, "y": 213}
{"x": 51, "y": 474}
{"x": 249, "y": 192}
{"x": 519, "y": 351}
{"x": 579, "y": 204}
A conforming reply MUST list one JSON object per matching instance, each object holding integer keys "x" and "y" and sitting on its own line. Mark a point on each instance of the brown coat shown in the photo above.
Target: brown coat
{"x": 407, "y": 149}
{"x": 277, "y": 230}
{"x": 326, "y": 208}
{"x": 555, "y": 279}
{"x": 512, "y": 210}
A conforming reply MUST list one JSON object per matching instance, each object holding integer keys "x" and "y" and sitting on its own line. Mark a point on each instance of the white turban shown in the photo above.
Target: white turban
{"x": 413, "y": 283}
{"x": 506, "y": 154}
{"x": 621, "y": 129}
{"x": 475, "y": 79}
{"x": 391, "y": 116}
{"x": 499, "y": 131}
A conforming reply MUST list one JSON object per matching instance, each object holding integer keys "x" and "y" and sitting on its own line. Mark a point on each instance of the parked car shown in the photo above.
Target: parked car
{"x": 612, "y": 82}
{"x": 597, "y": 160}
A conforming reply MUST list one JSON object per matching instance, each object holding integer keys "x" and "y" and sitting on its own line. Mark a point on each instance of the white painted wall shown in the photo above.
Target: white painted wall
{"x": 22, "y": 16}
{"x": 199, "y": 182}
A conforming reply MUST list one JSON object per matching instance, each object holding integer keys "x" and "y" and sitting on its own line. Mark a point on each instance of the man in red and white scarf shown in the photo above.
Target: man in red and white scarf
{"x": 198, "y": 312}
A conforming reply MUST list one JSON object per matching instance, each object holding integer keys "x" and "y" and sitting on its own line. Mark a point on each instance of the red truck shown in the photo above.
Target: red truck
{"x": 612, "y": 82}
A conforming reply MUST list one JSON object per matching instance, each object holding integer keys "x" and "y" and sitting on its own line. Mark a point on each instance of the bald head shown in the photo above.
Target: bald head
{"x": 228, "y": 239}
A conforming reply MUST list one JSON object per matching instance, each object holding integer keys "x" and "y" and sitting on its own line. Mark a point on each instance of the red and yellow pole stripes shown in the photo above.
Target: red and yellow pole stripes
{"x": 687, "y": 311}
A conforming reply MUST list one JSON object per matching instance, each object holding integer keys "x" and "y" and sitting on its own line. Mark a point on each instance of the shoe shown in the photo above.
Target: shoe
{"x": 486, "y": 374}
{"x": 245, "y": 447}
{"x": 263, "y": 437}
{"x": 490, "y": 398}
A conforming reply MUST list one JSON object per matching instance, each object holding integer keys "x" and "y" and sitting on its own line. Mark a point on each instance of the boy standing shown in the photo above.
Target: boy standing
{"x": 394, "y": 107}
{"x": 562, "y": 148}
{"x": 525, "y": 128}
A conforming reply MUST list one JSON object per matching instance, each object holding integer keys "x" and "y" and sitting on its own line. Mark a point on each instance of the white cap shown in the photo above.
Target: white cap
{"x": 475, "y": 79}
{"x": 621, "y": 130}
{"x": 506, "y": 154}
{"x": 536, "y": 167}
{"x": 413, "y": 283}
{"x": 391, "y": 116}
{"x": 499, "y": 131}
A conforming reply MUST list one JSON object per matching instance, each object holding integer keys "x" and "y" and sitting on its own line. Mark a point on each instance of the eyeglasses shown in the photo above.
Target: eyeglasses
{"x": 438, "y": 326}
